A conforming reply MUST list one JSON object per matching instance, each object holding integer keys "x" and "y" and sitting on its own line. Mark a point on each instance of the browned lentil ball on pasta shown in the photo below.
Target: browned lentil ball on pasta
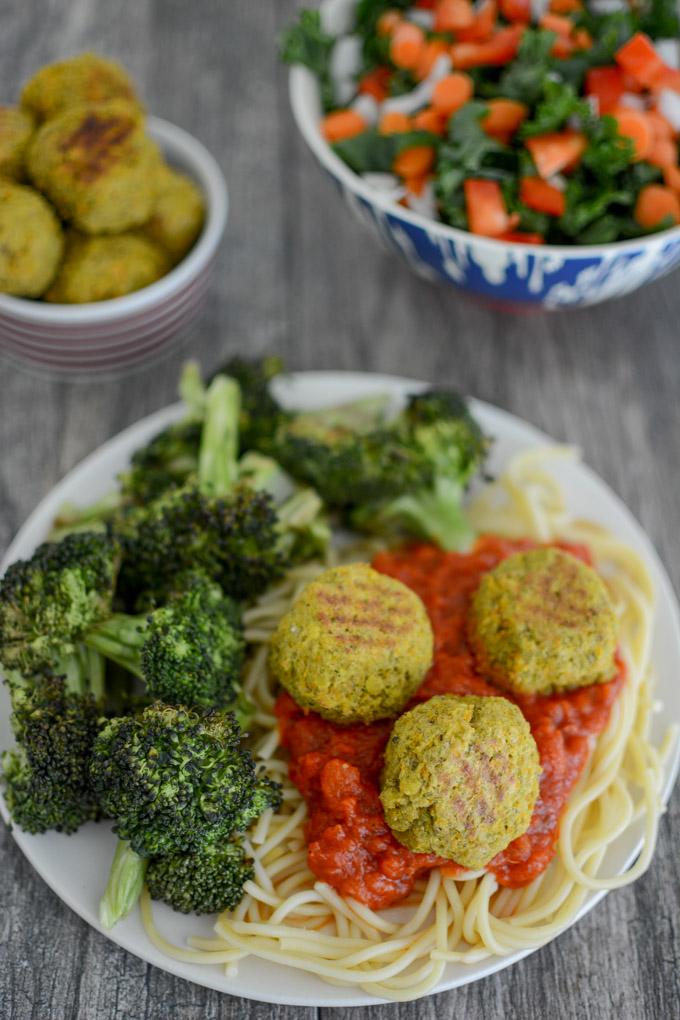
{"x": 542, "y": 621}
{"x": 460, "y": 778}
{"x": 355, "y": 645}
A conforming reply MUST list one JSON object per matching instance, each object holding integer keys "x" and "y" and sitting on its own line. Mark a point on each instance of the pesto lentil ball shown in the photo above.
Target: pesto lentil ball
{"x": 97, "y": 166}
{"x": 355, "y": 645}
{"x": 100, "y": 268}
{"x": 460, "y": 778}
{"x": 86, "y": 78}
{"x": 178, "y": 213}
{"x": 541, "y": 622}
{"x": 31, "y": 241}
{"x": 16, "y": 129}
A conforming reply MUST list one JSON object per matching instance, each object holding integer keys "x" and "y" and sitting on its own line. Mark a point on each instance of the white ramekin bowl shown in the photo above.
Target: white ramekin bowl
{"x": 110, "y": 336}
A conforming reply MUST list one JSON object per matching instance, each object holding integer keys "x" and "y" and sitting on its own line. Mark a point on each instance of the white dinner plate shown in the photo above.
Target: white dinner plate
{"x": 76, "y": 866}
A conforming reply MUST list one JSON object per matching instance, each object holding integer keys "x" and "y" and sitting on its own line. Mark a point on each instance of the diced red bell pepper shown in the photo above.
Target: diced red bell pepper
{"x": 541, "y": 196}
{"x": 607, "y": 84}
{"x": 495, "y": 52}
{"x": 556, "y": 151}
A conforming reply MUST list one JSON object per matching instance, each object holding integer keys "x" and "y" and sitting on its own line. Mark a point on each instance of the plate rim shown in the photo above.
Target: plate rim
{"x": 157, "y": 420}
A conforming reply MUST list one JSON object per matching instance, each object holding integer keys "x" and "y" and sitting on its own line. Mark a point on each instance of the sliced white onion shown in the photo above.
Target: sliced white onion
{"x": 594, "y": 104}
{"x": 386, "y": 184}
{"x": 337, "y": 16}
{"x": 421, "y": 17}
{"x": 367, "y": 108}
{"x": 345, "y": 59}
{"x": 441, "y": 67}
{"x": 669, "y": 51}
{"x": 633, "y": 101}
{"x": 421, "y": 95}
{"x": 538, "y": 9}
{"x": 425, "y": 203}
{"x": 558, "y": 181}
{"x": 607, "y": 6}
{"x": 669, "y": 107}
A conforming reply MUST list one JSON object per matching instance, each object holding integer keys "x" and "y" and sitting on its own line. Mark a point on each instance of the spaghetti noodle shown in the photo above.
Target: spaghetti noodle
{"x": 289, "y": 917}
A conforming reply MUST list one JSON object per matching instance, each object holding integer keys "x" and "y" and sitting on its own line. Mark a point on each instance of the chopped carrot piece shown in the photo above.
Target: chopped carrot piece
{"x": 434, "y": 49}
{"x": 521, "y": 237}
{"x": 664, "y": 152}
{"x": 562, "y": 48}
{"x": 375, "y": 83}
{"x": 485, "y": 206}
{"x": 497, "y": 51}
{"x": 482, "y": 27}
{"x": 416, "y": 185}
{"x": 516, "y": 10}
{"x": 543, "y": 197}
{"x": 452, "y": 92}
{"x": 671, "y": 175}
{"x": 342, "y": 124}
{"x": 635, "y": 124}
{"x": 556, "y": 151}
{"x": 608, "y": 85}
{"x": 640, "y": 60}
{"x": 661, "y": 127}
{"x": 430, "y": 120}
{"x": 669, "y": 78}
{"x": 452, "y": 15}
{"x": 583, "y": 40}
{"x": 407, "y": 45}
{"x": 564, "y": 6}
{"x": 394, "y": 123}
{"x": 654, "y": 204}
{"x": 388, "y": 21}
{"x": 556, "y": 23}
{"x": 415, "y": 161}
{"x": 504, "y": 117}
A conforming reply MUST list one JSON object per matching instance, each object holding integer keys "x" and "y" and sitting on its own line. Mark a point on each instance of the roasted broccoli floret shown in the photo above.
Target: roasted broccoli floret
{"x": 47, "y": 781}
{"x": 167, "y": 461}
{"x": 188, "y": 652}
{"x": 48, "y": 602}
{"x": 452, "y": 448}
{"x": 221, "y": 523}
{"x": 402, "y": 478}
{"x": 260, "y": 413}
{"x": 348, "y": 454}
{"x": 175, "y": 781}
{"x": 201, "y": 883}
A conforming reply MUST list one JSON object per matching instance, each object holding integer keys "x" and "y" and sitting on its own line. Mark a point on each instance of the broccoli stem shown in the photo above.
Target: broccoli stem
{"x": 72, "y": 518}
{"x": 217, "y": 459}
{"x": 358, "y": 416}
{"x": 121, "y": 639}
{"x": 124, "y": 887}
{"x": 264, "y": 473}
{"x": 433, "y": 514}
{"x": 192, "y": 390}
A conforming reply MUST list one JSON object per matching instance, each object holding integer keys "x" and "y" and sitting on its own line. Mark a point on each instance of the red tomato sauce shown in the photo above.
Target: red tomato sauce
{"x": 337, "y": 768}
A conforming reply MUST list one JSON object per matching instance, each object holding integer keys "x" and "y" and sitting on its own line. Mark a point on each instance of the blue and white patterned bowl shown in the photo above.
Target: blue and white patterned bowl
{"x": 551, "y": 276}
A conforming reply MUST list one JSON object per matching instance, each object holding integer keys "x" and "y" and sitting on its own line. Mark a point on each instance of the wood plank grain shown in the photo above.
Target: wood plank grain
{"x": 297, "y": 275}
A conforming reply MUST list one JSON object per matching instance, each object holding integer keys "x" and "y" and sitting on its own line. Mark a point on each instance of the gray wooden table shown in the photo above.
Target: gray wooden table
{"x": 297, "y": 276}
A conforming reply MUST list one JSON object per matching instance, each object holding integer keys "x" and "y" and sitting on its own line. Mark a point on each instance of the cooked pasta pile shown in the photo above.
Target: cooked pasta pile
{"x": 290, "y": 918}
